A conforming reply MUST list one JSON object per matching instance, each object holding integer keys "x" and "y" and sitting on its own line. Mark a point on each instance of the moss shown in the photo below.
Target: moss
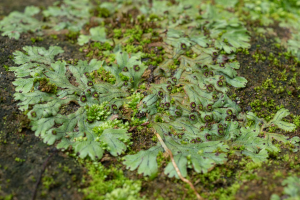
{"x": 272, "y": 129}
{"x": 102, "y": 46}
{"x": 110, "y": 184}
{"x": 160, "y": 159}
{"x": 172, "y": 66}
{"x": 46, "y": 86}
{"x": 98, "y": 112}
{"x": 137, "y": 122}
{"x": 129, "y": 48}
{"x": 6, "y": 67}
{"x": 134, "y": 100}
{"x": 110, "y": 124}
{"x": 109, "y": 58}
{"x": 268, "y": 84}
{"x": 279, "y": 90}
{"x": 8, "y": 197}
{"x": 158, "y": 118}
{"x": 67, "y": 169}
{"x": 54, "y": 36}
{"x": 90, "y": 54}
{"x": 296, "y": 120}
{"x": 134, "y": 34}
{"x": 103, "y": 12}
{"x": 117, "y": 33}
{"x": 293, "y": 81}
{"x": 147, "y": 41}
{"x": 36, "y": 39}
{"x": 282, "y": 76}
{"x": 47, "y": 181}
{"x": 103, "y": 75}
{"x": 72, "y": 35}
{"x": 19, "y": 160}
{"x": 142, "y": 86}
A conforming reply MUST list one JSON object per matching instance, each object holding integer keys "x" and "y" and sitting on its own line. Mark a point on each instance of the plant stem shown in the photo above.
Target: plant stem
{"x": 176, "y": 167}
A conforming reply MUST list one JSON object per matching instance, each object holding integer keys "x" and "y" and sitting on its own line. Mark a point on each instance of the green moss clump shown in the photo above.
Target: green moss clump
{"x": 129, "y": 48}
{"x": 123, "y": 77}
{"x": 6, "y": 67}
{"x": 105, "y": 76}
{"x": 72, "y": 35}
{"x": 154, "y": 58}
{"x": 117, "y": 187}
{"x": 160, "y": 158}
{"x": 117, "y": 33}
{"x": 102, "y": 46}
{"x": 137, "y": 122}
{"x": 296, "y": 120}
{"x": 17, "y": 159}
{"x": 268, "y": 84}
{"x": 134, "y": 100}
{"x": 98, "y": 112}
{"x": 134, "y": 34}
{"x": 110, "y": 124}
{"x": 103, "y": 12}
{"x": 90, "y": 54}
{"x": 282, "y": 76}
{"x": 109, "y": 57}
{"x": 46, "y": 86}
{"x": 36, "y": 39}
{"x": 47, "y": 182}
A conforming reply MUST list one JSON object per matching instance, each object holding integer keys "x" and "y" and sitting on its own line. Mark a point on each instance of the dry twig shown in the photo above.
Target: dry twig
{"x": 176, "y": 167}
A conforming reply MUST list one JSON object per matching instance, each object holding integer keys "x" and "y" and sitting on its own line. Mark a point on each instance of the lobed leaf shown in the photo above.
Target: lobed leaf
{"x": 145, "y": 161}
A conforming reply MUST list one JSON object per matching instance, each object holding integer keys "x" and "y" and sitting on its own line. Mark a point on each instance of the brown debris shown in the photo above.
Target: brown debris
{"x": 146, "y": 74}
